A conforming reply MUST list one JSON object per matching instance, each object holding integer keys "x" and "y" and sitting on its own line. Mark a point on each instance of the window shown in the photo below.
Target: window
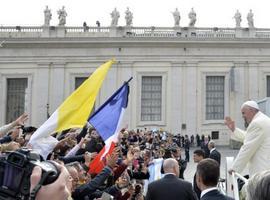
{"x": 78, "y": 82}
{"x": 151, "y": 98}
{"x": 215, "y": 97}
{"x": 16, "y": 92}
{"x": 215, "y": 135}
{"x": 268, "y": 86}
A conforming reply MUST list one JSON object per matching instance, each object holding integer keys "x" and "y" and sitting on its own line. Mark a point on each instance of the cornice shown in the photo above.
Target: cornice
{"x": 110, "y": 42}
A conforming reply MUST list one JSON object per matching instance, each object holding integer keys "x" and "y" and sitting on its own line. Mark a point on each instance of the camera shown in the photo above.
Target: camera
{"x": 138, "y": 189}
{"x": 15, "y": 172}
{"x": 106, "y": 196}
{"x": 28, "y": 129}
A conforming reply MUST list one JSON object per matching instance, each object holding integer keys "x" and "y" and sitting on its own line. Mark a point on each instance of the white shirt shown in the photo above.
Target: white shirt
{"x": 212, "y": 150}
{"x": 169, "y": 173}
{"x": 208, "y": 190}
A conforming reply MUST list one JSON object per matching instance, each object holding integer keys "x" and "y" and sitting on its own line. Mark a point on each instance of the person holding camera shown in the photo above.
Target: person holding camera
{"x": 58, "y": 190}
{"x": 176, "y": 153}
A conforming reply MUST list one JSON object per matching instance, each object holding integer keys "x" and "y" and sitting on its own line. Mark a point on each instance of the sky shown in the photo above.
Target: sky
{"x": 210, "y": 13}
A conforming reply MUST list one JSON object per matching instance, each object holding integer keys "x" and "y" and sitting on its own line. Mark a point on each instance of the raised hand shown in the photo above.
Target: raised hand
{"x": 15, "y": 133}
{"x": 230, "y": 123}
{"x": 88, "y": 157}
{"x": 20, "y": 120}
{"x": 111, "y": 160}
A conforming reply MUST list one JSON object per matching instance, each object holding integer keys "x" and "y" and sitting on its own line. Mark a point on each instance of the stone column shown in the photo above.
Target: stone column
{"x": 241, "y": 90}
{"x": 123, "y": 72}
{"x": 61, "y": 31}
{"x": 253, "y": 84}
{"x": 113, "y": 31}
{"x": 40, "y": 95}
{"x": 252, "y": 32}
{"x": 57, "y": 77}
{"x": 176, "y": 114}
{"x": 46, "y": 31}
{"x": 191, "y": 31}
{"x": 238, "y": 32}
{"x": 190, "y": 97}
{"x": 177, "y": 31}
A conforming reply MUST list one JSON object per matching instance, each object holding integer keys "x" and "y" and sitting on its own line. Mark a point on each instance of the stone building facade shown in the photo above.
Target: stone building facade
{"x": 185, "y": 79}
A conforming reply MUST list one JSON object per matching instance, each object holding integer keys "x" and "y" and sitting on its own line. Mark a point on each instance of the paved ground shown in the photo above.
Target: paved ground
{"x": 191, "y": 167}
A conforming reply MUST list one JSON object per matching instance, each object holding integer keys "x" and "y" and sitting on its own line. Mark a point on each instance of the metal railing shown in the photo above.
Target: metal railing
{"x": 232, "y": 189}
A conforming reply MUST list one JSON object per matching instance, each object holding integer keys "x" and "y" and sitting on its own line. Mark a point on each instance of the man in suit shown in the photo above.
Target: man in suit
{"x": 214, "y": 154}
{"x": 207, "y": 176}
{"x": 176, "y": 152}
{"x": 204, "y": 146}
{"x": 256, "y": 140}
{"x": 198, "y": 155}
{"x": 170, "y": 186}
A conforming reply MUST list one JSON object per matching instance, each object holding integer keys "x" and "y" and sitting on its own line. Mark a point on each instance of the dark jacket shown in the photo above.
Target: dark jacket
{"x": 204, "y": 147}
{"x": 215, "y": 155}
{"x": 170, "y": 188}
{"x": 5, "y": 139}
{"x": 79, "y": 158}
{"x": 92, "y": 186}
{"x": 215, "y": 195}
{"x": 196, "y": 189}
{"x": 182, "y": 167}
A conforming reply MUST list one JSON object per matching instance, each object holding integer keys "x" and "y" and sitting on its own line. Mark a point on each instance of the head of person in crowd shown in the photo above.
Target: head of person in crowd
{"x": 124, "y": 180}
{"x": 176, "y": 152}
{"x": 206, "y": 140}
{"x": 74, "y": 176}
{"x": 249, "y": 109}
{"x": 211, "y": 144}
{"x": 81, "y": 172}
{"x": 198, "y": 155}
{"x": 170, "y": 165}
{"x": 207, "y": 174}
{"x": 258, "y": 186}
{"x": 93, "y": 133}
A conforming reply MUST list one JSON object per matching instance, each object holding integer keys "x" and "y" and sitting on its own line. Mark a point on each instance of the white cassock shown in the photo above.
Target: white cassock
{"x": 255, "y": 152}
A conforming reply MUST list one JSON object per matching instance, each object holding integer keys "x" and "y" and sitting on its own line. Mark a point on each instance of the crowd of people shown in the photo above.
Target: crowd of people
{"x": 145, "y": 164}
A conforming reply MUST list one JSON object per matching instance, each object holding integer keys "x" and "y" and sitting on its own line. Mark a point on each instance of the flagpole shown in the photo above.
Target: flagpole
{"x": 129, "y": 80}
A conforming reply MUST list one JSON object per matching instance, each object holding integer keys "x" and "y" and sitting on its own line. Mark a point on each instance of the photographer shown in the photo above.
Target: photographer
{"x": 57, "y": 190}
{"x": 182, "y": 163}
{"x": 175, "y": 152}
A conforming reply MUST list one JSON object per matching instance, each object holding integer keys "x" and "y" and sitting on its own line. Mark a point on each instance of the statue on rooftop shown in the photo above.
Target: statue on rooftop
{"x": 62, "y": 14}
{"x": 238, "y": 19}
{"x": 128, "y": 17}
{"x": 192, "y": 16}
{"x": 177, "y": 17}
{"x": 115, "y": 16}
{"x": 250, "y": 19}
{"x": 47, "y": 16}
